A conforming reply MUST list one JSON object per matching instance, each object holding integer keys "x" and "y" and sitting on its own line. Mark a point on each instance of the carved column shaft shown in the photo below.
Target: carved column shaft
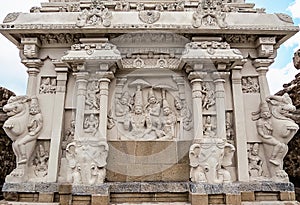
{"x": 262, "y": 69}
{"x": 81, "y": 82}
{"x": 220, "y": 106}
{"x": 104, "y": 82}
{"x": 240, "y": 126}
{"x": 33, "y": 70}
{"x": 56, "y": 135}
{"x": 197, "y": 108}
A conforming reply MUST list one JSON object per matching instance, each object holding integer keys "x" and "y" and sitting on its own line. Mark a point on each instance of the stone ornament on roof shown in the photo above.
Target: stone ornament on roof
{"x": 98, "y": 14}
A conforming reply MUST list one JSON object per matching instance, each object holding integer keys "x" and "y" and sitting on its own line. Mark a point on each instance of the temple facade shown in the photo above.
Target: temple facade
{"x": 148, "y": 101}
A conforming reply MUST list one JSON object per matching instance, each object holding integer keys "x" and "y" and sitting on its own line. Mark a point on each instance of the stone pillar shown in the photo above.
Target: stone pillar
{"x": 81, "y": 84}
{"x": 196, "y": 81}
{"x": 220, "y": 103}
{"x": 56, "y": 135}
{"x": 261, "y": 66}
{"x": 240, "y": 126}
{"x": 33, "y": 66}
{"x": 104, "y": 80}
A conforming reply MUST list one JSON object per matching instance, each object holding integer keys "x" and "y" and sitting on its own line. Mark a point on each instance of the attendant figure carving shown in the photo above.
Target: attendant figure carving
{"x": 69, "y": 136}
{"x": 41, "y": 162}
{"x": 152, "y": 108}
{"x": 208, "y": 96}
{"x": 123, "y": 106}
{"x": 209, "y": 127}
{"x": 91, "y": 124}
{"x": 91, "y": 95}
{"x": 168, "y": 122}
{"x": 254, "y": 162}
{"x": 184, "y": 114}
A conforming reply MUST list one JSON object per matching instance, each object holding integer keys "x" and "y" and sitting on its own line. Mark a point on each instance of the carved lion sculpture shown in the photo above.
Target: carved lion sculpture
{"x": 276, "y": 128}
{"x": 208, "y": 160}
{"x": 23, "y": 127}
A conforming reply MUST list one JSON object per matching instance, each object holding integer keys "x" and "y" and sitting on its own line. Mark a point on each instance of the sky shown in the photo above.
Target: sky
{"x": 13, "y": 74}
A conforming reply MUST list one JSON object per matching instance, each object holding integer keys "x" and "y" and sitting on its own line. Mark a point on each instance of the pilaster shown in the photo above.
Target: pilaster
{"x": 33, "y": 70}
{"x": 240, "y": 126}
{"x": 104, "y": 80}
{"x": 196, "y": 81}
{"x": 262, "y": 67}
{"x": 56, "y": 134}
{"x": 220, "y": 102}
{"x": 81, "y": 84}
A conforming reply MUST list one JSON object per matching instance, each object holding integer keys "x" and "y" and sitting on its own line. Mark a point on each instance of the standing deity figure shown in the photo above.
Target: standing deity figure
{"x": 276, "y": 128}
{"x": 255, "y": 162}
{"x": 23, "y": 126}
{"x": 91, "y": 95}
{"x": 168, "y": 122}
{"x": 152, "y": 108}
{"x": 184, "y": 114}
{"x": 208, "y": 97}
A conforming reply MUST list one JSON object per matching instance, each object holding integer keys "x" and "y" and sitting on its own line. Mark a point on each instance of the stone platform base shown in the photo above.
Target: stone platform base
{"x": 151, "y": 193}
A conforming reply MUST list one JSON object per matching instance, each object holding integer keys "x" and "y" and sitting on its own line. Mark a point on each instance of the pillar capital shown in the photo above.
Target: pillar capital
{"x": 31, "y": 47}
{"x": 197, "y": 75}
{"x": 257, "y": 63}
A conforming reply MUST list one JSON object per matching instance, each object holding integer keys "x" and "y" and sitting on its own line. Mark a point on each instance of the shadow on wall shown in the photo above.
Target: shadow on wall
{"x": 7, "y": 157}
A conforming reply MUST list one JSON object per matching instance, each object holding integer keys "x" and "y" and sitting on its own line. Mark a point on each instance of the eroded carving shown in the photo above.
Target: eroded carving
{"x": 40, "y": 161}
{"x": 48, "y": 85}
{"x": 149, "y": 16}
{"x": 11, "y": 17}
{"x": 97, "y": 15}
{"x": 209, "y": 159}
{"x": 87, "y": 162}
{"x": 255, "y": 162}
{"x": 68, "y": 137}
{"x": 62, "y": 38}
{"x": 209, "y": 14}
{"x": 276, "y": 128}
{"x": 209, "y": 127}
{"x": 23, "y": 127}
{"x": 92, "y": 99}
{"x": 229, "y": 127}
{"x": 184, "y": 115}
{"x": 250, "y": 85}
{"x": 91, "y": 123}
{"x": 208, "y": 95}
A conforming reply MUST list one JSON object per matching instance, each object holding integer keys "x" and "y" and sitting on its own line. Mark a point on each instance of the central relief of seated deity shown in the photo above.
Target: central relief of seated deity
{"x": 156, "y": 118}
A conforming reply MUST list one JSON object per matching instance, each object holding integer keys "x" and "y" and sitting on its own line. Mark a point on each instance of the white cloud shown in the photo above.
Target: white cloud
{"x": 295, "y": 8}
{"x": 293, "y": 42}
{"x": 278, "y": 77}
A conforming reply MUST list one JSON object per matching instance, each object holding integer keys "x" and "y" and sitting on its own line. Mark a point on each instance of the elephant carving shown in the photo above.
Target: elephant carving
{"x": 87, "y": 162}
{"x": 208, "y": 160}
{"x": 23, "y": 127}
{"x": 276, "y": 128}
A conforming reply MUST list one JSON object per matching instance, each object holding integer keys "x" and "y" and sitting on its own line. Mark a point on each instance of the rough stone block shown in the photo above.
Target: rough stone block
{"x": 100, "y": 199}
{"x": 248, "y": 196}
{"x": 65, "y": 188}
{"x": 233, "y": 199}
{"x": 46, "y": 197}
{"x": 199, "y": 199}
{"x": 287, "y": 196}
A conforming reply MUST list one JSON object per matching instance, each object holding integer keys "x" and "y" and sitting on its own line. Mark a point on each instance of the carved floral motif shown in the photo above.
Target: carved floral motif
{"x": 11, "y": 17}
{"x": 149, "y": 16}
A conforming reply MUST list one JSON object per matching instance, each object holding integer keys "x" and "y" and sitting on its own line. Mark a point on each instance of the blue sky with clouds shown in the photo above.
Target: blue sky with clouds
{"x": 14, "y": 77}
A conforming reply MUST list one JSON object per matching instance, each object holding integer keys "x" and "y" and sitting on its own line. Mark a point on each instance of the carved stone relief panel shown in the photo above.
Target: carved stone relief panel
{"x": 68, "y": 136}
{"x": 208, "y": 95}
{"x": 250, "y": 84}
{"x": 48, "y": 85}
{"x": 230, "y": 134}
{"x": 62, "y": 38}
{"x": 150, "y": 109}
{"x": 209, "y": 126}
{"x": 92, "y": 95}
{"x": 40, "y": 160}
{"x": 255, "y": 162}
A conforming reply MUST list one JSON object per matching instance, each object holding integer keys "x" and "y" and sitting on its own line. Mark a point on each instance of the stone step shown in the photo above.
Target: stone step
{"x": 153, "y": 203}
